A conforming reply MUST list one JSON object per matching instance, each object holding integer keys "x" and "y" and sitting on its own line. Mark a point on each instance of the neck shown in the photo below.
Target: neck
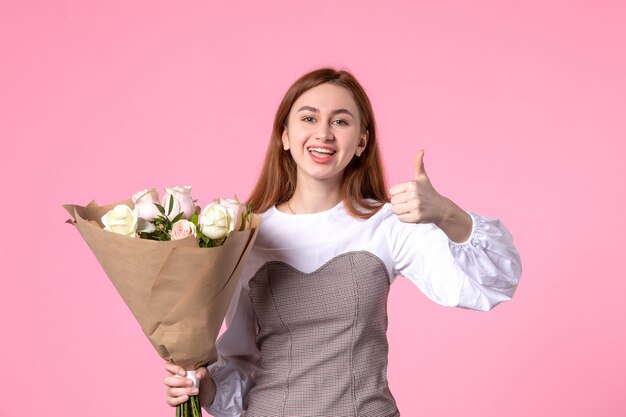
{"x": 315, "y": 196}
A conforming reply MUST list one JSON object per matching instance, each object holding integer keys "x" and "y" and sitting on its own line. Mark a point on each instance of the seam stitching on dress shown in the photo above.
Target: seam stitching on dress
{"x": 280, "y": 320}
{"x": 354, "y": 321}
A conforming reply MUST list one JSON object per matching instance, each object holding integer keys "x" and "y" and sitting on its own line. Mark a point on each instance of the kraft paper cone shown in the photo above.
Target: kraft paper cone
{"x": 178, "y": 292}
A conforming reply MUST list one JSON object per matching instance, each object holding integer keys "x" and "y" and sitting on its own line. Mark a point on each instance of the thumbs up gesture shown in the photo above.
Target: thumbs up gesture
{"x": 417, "y": 201}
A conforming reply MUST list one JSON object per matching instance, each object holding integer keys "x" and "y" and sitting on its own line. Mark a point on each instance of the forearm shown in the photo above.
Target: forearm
{"x": 454, "y": 221}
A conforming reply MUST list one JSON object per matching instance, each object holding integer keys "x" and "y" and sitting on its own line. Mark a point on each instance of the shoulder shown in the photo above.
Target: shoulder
{"x": 384, "y": 217}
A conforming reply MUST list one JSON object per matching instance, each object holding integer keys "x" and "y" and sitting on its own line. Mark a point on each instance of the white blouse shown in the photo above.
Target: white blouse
{"x": 477, "y": 274}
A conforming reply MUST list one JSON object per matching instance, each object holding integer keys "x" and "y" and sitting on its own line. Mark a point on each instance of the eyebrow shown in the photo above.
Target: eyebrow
{"x": 334, "y": 112}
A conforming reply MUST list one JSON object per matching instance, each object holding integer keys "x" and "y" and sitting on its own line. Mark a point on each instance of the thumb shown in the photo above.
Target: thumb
{"x": 419, "y": 164}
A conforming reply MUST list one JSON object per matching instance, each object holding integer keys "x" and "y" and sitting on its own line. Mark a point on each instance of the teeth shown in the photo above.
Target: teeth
{"x": 322, "y": 150}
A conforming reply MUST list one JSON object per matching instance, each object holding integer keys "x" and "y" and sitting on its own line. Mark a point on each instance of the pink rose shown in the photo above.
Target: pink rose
{"x": 144, "y": 203}
{"x": 182, "y": 202}
{"x": 237, "y": 210}
{"x": 182, "y": 229}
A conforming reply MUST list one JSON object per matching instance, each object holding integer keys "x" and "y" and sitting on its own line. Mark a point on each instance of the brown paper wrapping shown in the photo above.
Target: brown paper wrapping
{"x": 177, "y": 291}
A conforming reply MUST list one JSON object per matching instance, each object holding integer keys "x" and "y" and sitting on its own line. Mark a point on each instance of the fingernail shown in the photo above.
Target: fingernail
{"x": 195, "y": 391}
{"x": 189, "y": 382}
{"x": 182, "y": 373}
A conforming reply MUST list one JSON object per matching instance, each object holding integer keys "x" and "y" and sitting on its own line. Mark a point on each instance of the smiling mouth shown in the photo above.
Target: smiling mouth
{"x": 321, "y": 152}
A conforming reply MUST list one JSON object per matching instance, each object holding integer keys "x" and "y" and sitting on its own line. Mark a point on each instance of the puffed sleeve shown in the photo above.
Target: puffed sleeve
{"x": 233, "y": 372}
{"x": 477, "y": 274}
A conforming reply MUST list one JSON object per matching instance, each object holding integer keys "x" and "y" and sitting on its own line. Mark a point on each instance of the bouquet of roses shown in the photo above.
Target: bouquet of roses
{"x": 177, "y": 217}
{"x": 175, "y": 265}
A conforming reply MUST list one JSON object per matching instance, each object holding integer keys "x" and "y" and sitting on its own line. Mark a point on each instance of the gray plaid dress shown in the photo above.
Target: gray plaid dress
{"x": 322, "y": 338}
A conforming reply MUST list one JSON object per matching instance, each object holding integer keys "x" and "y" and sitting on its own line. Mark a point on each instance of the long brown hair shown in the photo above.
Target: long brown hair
{"x": 363, "y": 188}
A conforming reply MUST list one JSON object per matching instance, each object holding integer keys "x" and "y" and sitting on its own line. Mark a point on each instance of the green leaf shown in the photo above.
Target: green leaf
{"x": 169, "y": 210}
{"x": 194, "y": 219}
{"x": 178, "y": 217}
{"x": 243, "y": 222}
{"x": 160, "y": 208}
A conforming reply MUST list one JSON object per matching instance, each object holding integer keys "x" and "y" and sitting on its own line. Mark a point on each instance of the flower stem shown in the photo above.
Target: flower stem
{"x": 190, "y": 408}
{"x": 196, "y": 411}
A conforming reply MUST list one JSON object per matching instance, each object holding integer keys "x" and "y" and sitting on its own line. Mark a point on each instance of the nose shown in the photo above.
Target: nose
{"x": 324, "y": 132}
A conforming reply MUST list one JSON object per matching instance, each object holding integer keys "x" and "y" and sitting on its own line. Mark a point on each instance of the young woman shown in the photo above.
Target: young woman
{"x": 307, "y": 325}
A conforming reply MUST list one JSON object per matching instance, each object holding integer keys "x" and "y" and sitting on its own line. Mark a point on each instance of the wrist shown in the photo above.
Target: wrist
{"x": 454, "y": 221}
{"x": 447, "y": 212}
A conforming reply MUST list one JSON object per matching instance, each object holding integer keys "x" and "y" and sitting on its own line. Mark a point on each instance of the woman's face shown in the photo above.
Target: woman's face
{"x": 323, "y": 133}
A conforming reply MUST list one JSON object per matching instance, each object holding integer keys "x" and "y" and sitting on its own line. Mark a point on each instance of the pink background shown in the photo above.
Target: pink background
{"x": 521, "y": 109}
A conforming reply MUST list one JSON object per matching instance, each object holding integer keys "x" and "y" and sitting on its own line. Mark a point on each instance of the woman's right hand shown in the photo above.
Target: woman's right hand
{"x": 180, "y": 388}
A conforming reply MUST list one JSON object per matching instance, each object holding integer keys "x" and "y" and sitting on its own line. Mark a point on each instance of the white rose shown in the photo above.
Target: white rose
{"x": 182, "y": 202}
{"x": 182, "y": 229}
{"x": 238, "y": 210}
{"x": 215, "y": 221}
{"x": 144, "y": 203}
{"x": 121, "y": 220}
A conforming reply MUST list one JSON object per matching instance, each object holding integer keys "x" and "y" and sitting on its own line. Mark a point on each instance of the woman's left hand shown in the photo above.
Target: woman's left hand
{"x": 417, "y": 201}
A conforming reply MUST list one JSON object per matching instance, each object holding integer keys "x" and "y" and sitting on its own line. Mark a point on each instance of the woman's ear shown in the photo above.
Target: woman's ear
{"x": 285, "y": 139}
{"x": 360, "y": 148}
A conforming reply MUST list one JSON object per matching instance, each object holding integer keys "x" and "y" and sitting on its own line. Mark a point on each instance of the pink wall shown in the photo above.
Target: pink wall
{"x": 521, "y": 109}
